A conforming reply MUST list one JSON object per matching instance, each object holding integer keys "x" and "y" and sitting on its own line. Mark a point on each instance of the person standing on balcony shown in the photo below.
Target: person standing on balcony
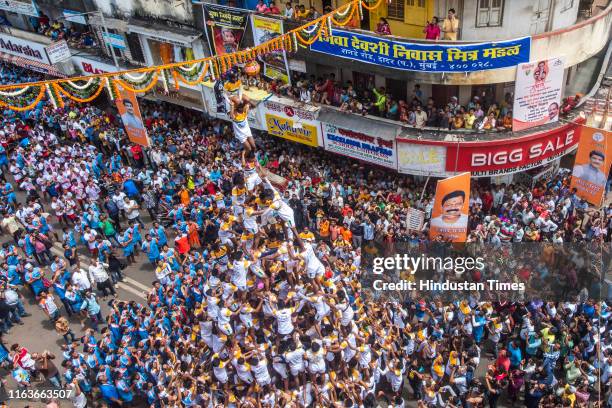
{"x": 450, "y": 27}
{"x": 273, "y": 8}
{"x": 262, "y": 7}
{"x": 381, "y": 100}
{"x": 383, "y": 27}
{"x": 432, "y": 30}
{"x": 288, "y": 13}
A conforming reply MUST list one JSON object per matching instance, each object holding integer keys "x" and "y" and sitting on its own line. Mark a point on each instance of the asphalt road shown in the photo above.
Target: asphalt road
{"x": 38, "y": 332}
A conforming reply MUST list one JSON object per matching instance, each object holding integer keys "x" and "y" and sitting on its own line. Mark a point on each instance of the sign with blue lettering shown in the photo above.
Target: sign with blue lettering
{"x": 407, "y": 56}
{"x": 371, "y": 149}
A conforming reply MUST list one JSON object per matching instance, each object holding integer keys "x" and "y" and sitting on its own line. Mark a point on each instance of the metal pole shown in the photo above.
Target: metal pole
{"x": 424, "y": 188}
{"x": 110, "y": 47}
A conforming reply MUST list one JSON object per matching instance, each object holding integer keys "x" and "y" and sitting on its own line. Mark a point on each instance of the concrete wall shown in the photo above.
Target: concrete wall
{"x": 518, "y": 19}
{"x": 177, "y": 10}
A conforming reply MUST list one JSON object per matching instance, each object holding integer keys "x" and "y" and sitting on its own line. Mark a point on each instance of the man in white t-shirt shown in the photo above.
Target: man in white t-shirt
{"x": 119, "y": 199}
{"x": 132, "y": 211}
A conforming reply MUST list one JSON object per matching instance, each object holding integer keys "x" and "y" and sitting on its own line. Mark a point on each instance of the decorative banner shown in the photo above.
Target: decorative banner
{"x": 58, "y": 51}
{"x": 290, "y": 122}
{"x": 510, "y": 155}
{"x": 537, "y": 94}
{"x": 20, "y": 7}
{"x": 23, "y": 48}
{"x": 292, "y": 130}
{"x": 449, "y": 216}
{"x": 128, "y": 108}
{"x": 360, "y": 146}
{"x": 275, "y": 63}
{"x": 421, "y": 159}
{"x": 224, "y": 28}
{"x": 592, "y": 165}
{"x": 420, "y": 57}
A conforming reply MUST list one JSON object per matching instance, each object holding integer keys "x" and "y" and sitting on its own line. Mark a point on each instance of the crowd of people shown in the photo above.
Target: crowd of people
{"x": 481, "y": 113}
{"x": 258, "y": 298}
{"x": 77, "y": 35}
{"x": 11, "y": 74}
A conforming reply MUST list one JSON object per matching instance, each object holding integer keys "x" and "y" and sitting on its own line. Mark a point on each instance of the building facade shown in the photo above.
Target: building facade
{"x": 110, "y": 35}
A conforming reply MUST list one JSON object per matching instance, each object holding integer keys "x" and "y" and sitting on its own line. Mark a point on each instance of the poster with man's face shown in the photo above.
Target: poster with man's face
{"x": 128, "y": 108}
{"x": 537, "y": 93}
{"x": 592, "y": 164}
{"x": 449, "y": 217}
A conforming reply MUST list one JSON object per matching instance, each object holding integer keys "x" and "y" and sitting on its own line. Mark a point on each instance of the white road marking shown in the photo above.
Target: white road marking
{"x": 137, "y": 284}
{"x": 130, "y": 289}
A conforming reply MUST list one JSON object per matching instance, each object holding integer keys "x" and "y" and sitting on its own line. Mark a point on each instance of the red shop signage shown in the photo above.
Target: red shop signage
{"x": 510, "y": 155}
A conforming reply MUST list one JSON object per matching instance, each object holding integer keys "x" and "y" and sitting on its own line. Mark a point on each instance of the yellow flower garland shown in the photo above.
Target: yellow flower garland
{"x": 61, "y": 90}
{"x": 38, "y": 98}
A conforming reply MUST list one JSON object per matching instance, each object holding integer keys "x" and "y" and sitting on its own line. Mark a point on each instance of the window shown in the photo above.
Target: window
{"x": 395, "y": 9}
{"x": 134, "y": 45}
{"x": 489, "y": 13}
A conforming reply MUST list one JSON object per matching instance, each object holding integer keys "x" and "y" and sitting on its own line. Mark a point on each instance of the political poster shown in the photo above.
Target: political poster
{"x": 128, "y": 108}
{"x": 449, "y": 217}
{"x": 537, "y": 95}
{"x": 274, "y": 63}
{"x": 224, "y": 28}
{"x": 592, "y": 164}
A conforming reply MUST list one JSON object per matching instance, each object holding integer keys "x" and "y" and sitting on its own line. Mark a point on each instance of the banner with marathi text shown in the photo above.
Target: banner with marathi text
{"x": 592, "y": 164}
{"x": 537, "y": 93}
{"x": 391, "y": 53}
{"x": 449, "y": 216}
{"x": 224, "y": 28}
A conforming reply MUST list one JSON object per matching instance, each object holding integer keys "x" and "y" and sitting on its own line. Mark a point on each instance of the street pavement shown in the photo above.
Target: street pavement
{"x": 38, "y": 332}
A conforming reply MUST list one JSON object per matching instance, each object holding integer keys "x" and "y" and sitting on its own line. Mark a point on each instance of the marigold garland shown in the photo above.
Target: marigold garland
{"x": 370, "y": 8}
{"x": 198, "y": 81}
{"x": 61, "y": 90}
{"x": 147, "y": 88}
{"x": 41, "y": 94}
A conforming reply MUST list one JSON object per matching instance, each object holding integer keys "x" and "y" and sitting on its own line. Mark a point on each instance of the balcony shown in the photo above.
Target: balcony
{"x": 576, "y": 43}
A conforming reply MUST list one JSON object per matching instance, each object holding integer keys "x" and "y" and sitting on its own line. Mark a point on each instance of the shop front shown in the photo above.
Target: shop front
{"x": 497, "y": 159}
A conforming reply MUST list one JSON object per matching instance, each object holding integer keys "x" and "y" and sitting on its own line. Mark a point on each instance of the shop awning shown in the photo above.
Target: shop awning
{"x": 31, "y": 65}
{"x": 358, "y": 123}
{"x": 163, "y": 33}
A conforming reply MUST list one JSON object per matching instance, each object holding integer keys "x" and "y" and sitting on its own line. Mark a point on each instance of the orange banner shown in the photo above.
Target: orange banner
{"x": 128, "y": 108}
{"x": 449, "y": 216}
{"x": 592, "y": 165}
